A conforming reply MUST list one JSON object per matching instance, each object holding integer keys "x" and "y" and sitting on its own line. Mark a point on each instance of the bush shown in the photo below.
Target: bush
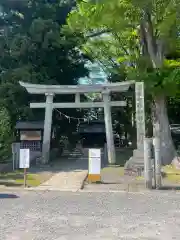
{"x": 5, "y": 134}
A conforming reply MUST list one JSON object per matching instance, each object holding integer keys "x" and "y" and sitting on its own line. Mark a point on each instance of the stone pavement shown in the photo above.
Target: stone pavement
{"x": 70, "y": 176}
{"x": 85, "y": 216}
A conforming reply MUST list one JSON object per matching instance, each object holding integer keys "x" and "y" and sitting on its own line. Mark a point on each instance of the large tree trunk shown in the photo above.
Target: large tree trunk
{"x": 161, "y": 129}
{"x": 154, "y": 48}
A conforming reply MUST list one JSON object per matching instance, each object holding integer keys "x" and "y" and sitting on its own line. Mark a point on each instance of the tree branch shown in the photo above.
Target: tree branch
{"x": 154, "y": 49}
{"x": 97, "y": 34}
{"x": 119, "y": 39}
{"x": 143, "y": 41}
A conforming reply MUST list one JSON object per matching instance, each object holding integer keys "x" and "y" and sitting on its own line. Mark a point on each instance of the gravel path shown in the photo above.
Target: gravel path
{"x": 82, "y": 215}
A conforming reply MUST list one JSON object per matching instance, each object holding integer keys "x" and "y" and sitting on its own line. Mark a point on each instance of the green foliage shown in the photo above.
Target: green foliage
{"x": 35, "y": 48}
{"x": 5, "y": 134}
{"x": 137, "y": 34}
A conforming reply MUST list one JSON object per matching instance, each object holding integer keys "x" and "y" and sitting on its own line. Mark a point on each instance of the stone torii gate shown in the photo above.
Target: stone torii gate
{"x": 77, "y": 90}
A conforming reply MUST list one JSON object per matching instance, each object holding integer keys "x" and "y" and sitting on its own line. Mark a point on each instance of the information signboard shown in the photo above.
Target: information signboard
{"x": 24, "y": 161}
{"x": 94, "y": 153}
{"x": 94, "y": 166}
{"x": 94, "y": 173}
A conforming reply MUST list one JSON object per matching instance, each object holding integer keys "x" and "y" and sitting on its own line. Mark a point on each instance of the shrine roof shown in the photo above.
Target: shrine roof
{"x": 30, "y": 125}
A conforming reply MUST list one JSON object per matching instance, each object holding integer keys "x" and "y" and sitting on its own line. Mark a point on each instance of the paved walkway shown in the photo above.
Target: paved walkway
{"x": 70, "y": 176}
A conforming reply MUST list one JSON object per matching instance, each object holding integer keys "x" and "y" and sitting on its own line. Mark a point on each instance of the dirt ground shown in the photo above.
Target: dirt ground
{"x": 113, "y": 177}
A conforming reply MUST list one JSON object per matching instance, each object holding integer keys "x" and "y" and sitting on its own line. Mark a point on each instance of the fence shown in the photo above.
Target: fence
{"x": 31, "y": 145}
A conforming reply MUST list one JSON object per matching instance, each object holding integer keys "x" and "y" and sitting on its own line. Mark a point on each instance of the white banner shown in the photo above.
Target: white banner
{"x": 94, "y": 161}
{"x": 94, "y": 153}
{"x": 24, "y": 161}
{"x": 94, "y": 166}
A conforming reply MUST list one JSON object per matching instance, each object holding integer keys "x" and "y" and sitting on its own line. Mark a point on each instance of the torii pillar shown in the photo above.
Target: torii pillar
{"x": 47, "y": 128}
{"x": 111, "y": 153}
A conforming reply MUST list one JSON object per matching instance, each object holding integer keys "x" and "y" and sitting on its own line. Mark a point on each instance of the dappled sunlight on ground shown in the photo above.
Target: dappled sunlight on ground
{"x": 171, "y": 174}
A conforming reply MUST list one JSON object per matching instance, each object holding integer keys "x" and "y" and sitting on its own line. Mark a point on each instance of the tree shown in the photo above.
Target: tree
{"x": 35, "y": 48}
{"x": 138, "y": 35}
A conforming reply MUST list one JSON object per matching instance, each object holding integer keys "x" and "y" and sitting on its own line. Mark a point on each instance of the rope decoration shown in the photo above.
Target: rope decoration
{"x": 73, "y": 118}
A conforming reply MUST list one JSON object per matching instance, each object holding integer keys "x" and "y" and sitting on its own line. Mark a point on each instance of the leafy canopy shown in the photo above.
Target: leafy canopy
{"x": 35, "y": 48}
{"x": 140, "y": 36}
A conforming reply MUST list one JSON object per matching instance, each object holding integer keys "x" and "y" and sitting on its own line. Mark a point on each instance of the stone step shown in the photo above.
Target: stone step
{"x": 135, "y": 164}
{"x": 138, "y": 161}
{"x": 75, "y": 152}
{"x": 138, "y": 154}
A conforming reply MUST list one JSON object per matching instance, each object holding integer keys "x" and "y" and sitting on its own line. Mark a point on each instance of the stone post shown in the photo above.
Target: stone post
{"x": 148, "y": 163}
{"x": 157, "y": 154}
{"x": 47, "y": 128}
{"x": 109, "y": 130}
{"x": 140, "y": 114}
{"x": 137, "y": 160}
{"x": 15, "y": 155}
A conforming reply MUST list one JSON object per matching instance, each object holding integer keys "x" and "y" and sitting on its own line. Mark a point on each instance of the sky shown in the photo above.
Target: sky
{"x": 96, "y": 74}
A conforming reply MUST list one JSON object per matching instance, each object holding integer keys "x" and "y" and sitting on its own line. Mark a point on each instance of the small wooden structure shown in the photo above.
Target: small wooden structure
{"x": 30, "y": 134}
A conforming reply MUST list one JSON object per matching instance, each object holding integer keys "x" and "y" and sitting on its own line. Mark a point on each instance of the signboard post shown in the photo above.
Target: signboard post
{"x": 24, "y": 162}
{"x": 94, "y": 173}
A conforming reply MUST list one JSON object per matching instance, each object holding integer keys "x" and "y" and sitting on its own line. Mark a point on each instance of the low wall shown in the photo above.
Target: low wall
{"x": 5, "y": 167}
{"x": 34, "y": 155}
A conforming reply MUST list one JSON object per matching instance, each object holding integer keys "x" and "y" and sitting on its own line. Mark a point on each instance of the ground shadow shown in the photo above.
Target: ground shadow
{"x": 11, "y": 176}
{"x": 66, "y": 164}
{"x": 8, "y": 196}
{"x": 106, "y": 183}
{"x": 175, "y": 188}
{"x": 10, "y": 184}
{"x": 61, "y": 165}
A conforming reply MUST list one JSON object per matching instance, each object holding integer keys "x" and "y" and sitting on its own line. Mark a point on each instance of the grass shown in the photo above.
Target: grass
{"x": 16, "y": 178}
{"x": 119, "y": 170}
{"x": 171, "y": 174}
{"x": 122, "y": 155}
{"x": 140, "y": 178}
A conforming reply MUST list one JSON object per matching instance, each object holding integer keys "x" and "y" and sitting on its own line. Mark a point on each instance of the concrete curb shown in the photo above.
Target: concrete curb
{"x": 37, "y": 189}
{"x": 114, "y": 191}
{"x": 81, "y": 190}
